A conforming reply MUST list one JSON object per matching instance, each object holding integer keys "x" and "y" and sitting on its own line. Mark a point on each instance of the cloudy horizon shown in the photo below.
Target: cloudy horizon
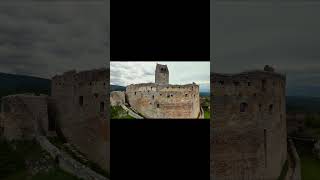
{"x": 248, "y": 35}
{"x": 126, "y": 73}
{"x": 45, "y": 38}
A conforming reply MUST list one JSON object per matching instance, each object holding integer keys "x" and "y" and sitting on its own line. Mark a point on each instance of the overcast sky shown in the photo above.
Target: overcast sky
{"x": 45, "y": 38}
{"x": 248, "y": 35}
{"x": 125, "y": 73}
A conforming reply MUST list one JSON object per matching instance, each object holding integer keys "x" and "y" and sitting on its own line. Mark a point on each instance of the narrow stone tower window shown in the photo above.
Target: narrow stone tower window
{"x": 243, "y": 107}
{"x": 152, "y": 96}
{"x": 135, "y": 93}
{"x": 81, "y": 100}
{"x": 265, "y": 147}
{"x": 270, "y": 108}
{"x": 158, "y": 105}
{"x": 101, "y": 106}
{"x": 260, "y": 107}
{"x": 263, "y": 86}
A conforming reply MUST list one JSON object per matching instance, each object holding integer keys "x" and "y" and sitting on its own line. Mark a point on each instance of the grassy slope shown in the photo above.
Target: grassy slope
{"x": 12, "y": 165}
{"x": 310, "y": 165}
{"x": 118, "y": 113}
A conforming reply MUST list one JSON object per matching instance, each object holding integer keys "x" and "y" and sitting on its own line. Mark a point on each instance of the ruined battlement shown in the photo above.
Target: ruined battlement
{"x": 145, "y": 87}
{"x": 82, "y": 76}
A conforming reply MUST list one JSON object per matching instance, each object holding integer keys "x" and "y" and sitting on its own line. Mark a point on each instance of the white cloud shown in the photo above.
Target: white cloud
{"x": 125, "y": 73}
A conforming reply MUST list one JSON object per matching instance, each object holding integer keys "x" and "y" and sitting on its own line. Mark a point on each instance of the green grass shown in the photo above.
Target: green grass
{"x": 310, "y": 167}
{"x": 53, "y": 174}
{"x": 118, "y": 113}
{"x": 310, "y": 164}
{"x": 207, "y": 114}
{"x": 312, "y": 121}
{"x": 56, "y": 174}
{"x": 12, "y": 166}
{"x": 284, "y": 171}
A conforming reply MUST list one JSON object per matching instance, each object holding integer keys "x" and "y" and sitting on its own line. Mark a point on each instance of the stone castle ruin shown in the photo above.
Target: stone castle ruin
{"x": 161, "y": 99}
{"x": 77, "y": 109}
{"x": 248, "y": 133}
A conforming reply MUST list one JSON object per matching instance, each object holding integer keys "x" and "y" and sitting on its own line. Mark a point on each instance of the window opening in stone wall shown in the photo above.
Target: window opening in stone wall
{"x": 51, "y": 118}
{"x": 135, "y": 93}
{"x": 152, "y": 96}
{"x": 81, "y": 100}
{"x": 260, "y": 107}
{"x": 101, "y": 106}
{"x": 270, "y": 108}
{"x": 171, "y": 95}
{"x": 168, "y": 95}
{"x": 265, "y": 147}
{"x": 96, "y": 95}
{"x": 263, "y": 84}
{"x": 249, "y": 83}
{"x": 186, "y": 95}
{"x": 158, "y": 105}
{"x": 90, "y": 83}
{"x": 243, "y": 107}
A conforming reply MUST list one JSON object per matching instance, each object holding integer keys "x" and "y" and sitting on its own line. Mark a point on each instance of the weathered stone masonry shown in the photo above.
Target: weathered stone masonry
{"x": 165, "y": 101}
{"x": 248, "y": 139}
{"x": 81, "y": 109}
{"x": 25, "y": 116}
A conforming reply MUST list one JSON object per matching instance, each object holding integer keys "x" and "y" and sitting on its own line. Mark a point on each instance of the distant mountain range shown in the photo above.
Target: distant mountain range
{"x": 117, "y": 88}
{"x": 303, "y": 104}
{"x": 14, "y": 84}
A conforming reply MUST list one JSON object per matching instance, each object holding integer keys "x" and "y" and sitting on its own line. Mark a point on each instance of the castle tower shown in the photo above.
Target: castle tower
{"x": 162, "y": 74}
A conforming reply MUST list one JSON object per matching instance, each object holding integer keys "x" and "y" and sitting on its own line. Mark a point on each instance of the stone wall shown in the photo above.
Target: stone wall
{"x": 249, "y": 126}
{"x": 117, "y": 98}
{"x": 81, "y": 104}
{"x": 24, "y": 116}
{"x": 67, "y": 163}
{"x": 164, "y": 101}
